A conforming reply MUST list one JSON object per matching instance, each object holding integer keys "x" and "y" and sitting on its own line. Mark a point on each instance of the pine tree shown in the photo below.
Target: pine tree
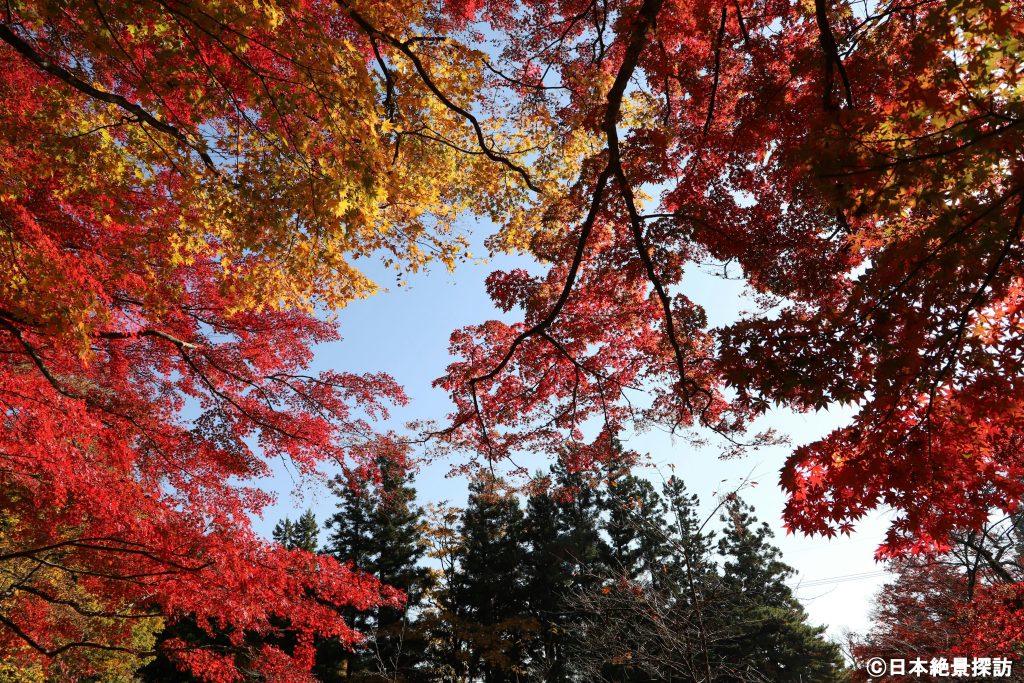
{"x": 632, "y": 556}
{"x": 350, "y": 540}
{"x": 634, "y": 526}
{"x": 302, "y": 534}
{"x": 580, "y": 543}
{"x": 489, "y": 589}
{"x": 775, "y": 638}
{"x": 398, "y": 526}
{"x": 380, "y": 530}
{"x": 547, "y": 581}
{"x": 648, "y": 621}
{"x": 691, "y": 576}
{"x": 690, "y": 546}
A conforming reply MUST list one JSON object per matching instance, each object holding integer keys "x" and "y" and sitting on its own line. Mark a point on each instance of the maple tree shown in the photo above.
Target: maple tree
{"x": 858, "y": 164}
{"x": 189, "y": 183}
{"x": 185, "y": 184}
{"x": 946, "y": 604}
{"x": 74, "y": 613}
{"x": 875, "y": 217}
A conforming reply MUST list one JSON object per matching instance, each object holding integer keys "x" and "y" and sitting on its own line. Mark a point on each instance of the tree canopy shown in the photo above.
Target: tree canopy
{"x": 189, "y": 185}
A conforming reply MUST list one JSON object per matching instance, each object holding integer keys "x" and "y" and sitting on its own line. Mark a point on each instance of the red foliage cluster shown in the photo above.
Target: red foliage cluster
{"x": 184, "y": 180}
{"x": 142, "y": 391}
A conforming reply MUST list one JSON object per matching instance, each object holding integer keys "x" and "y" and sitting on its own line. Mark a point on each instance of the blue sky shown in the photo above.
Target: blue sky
{"x": 404, "y": 331}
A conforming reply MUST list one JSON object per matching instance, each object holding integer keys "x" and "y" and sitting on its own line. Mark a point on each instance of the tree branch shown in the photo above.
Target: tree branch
{"x": 25, "y": 50}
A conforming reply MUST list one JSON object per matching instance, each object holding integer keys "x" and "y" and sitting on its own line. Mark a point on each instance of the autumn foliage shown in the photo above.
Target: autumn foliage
{"x": 183, "y": 186}
{"x": 962, "y": 602}
{"x": 188, "y": 184}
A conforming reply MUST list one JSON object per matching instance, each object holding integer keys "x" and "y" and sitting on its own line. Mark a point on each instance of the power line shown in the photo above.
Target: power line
{"x": 860, "y": 576}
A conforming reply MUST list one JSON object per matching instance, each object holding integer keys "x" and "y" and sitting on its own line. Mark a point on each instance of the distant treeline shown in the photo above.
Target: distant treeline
{"x": 618, "y": 582}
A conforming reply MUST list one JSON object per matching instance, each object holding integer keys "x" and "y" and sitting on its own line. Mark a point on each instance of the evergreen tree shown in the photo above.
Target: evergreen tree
{"x": 551, "y": 570}
{"x": 580, "y": 543}
{"x": 775, "y": 640}
{"x": 690, "y": 547}
{"x": 632, "y": 556}
{"x": 398, "y": 526}
{"x": 350, "y": 539}
{"x": 691, "y": 576}
{"x": 489, "y": 587}
{"x": 647, "y": 621}
{"x": 302, "y": 534}
{"x": 581, "y": 547}
{"x": 547, "y": 575}
{"x": 380, "y": 530}
{"x": 634, "y": 526}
